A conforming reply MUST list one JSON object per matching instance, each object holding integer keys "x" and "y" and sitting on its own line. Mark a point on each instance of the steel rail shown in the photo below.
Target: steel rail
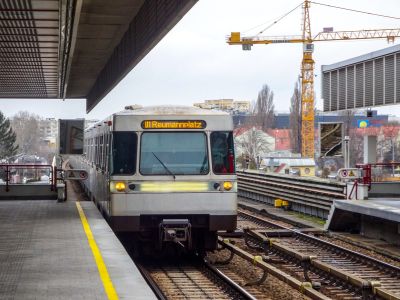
{"x": 304, "y": 287}
{"x": 331, "y": 281}
{"x": 285, "y": 193}
{"x": 151, "y": 282}
{"x": 243, "y": 207}
{"x": 313, "y": 197}
{"x": 249, "y": 217}
{"x": 221, "y": 282}
{"x": 292, "y": 186}
{"x": 298, "y": 181}
{"x": 230, "y": 282}
{"x": 323, "y": 248}
{"x": 297, "y": 232}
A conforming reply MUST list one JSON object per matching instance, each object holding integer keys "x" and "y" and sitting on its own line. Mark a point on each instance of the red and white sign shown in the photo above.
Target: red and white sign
{"x": 75, "y": 174}
{"x": 351, "y": 173}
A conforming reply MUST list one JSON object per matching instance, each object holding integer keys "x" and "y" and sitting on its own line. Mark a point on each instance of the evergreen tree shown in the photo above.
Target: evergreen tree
{"x": 7, "y": 138}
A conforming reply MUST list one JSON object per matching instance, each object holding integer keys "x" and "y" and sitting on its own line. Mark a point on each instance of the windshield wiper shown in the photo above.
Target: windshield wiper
{"x": 165, "y": 167}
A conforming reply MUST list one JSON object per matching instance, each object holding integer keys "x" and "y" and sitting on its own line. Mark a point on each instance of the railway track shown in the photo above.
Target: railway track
{"x": 339, "y": 271}
{"x": 311, "y": 196}
{"x": 245, "y": 220}
{"x": 190, "y": 279}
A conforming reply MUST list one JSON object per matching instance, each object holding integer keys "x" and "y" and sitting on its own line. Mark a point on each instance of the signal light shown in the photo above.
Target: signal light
{"x": 228, "y": 185}
{"x": 120, "y": 186}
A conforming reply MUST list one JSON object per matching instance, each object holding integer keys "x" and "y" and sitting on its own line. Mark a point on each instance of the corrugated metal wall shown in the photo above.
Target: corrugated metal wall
{"x": 366, "y": 84}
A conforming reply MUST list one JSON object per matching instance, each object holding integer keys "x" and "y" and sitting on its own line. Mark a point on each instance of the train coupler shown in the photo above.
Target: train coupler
{"x": 177, "y": 231}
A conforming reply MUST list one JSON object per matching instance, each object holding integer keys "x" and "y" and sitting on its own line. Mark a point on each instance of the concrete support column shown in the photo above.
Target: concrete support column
{"x": 370, "y": 149}
{"x": 357, "y": 192}
{"x": 346, "y": 153}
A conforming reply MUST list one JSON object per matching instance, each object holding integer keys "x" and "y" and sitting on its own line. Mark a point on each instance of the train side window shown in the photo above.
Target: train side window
{"x": 90, "y": 150}
{"x": 106, "y": 142}
{"x": 101, "y": 149}
{"x": 96, "y": 150}
{"x": 222, "y": 152}
{"x": 123, "y": 160}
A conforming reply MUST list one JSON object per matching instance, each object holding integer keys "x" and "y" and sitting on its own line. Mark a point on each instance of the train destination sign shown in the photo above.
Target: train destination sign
{"x": 174, "y": 124}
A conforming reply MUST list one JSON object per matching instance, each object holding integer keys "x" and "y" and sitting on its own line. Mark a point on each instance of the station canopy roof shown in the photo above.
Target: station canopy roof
{"x": 78, "y": 48}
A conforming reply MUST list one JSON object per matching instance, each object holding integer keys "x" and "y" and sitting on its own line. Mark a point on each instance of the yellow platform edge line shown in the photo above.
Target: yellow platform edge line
{"x": 105, "y": 277}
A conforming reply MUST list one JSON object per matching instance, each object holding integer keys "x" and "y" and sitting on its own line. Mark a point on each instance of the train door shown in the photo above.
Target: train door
{"x": 95, "y": 183}
{"x": 102, "y": 172}
{"x": 106, "y": 187}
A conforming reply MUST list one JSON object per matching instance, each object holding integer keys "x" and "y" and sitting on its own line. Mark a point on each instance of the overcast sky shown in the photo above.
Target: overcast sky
{"x": 193, "y": 63}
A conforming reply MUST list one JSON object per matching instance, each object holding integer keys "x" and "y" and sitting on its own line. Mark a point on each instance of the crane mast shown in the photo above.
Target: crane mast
{"x": 307, "y": 65}
{"x": 307, "y": 87}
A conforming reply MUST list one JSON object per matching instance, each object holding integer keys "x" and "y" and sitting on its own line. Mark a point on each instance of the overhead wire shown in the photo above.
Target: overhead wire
{"x": 317, "y": 3}
{"x": 274, "y": 22}
{"x": 262, "y": 24}
{"x": 355, "y": 10}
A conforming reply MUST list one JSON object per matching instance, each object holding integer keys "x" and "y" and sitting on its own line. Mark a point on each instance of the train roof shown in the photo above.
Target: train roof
{"x": 172, "y": 110}
{"x": 123, "y": 121}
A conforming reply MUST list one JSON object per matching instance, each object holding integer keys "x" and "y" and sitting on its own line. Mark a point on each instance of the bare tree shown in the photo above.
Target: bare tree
{"x": 263, "y": 110}
{"x": 295, "y": 119}
{"x": 356, "y": 147}
{"x": 348, "y": 118}
{"x": 356, "y": 141}
{"x": 253, "y": 143}
{"x": 26, "y": 127}
{"x": 390, "y": 133}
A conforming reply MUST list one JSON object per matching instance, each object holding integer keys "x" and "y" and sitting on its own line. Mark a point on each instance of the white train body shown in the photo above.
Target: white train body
{"x": 151, "y": 167}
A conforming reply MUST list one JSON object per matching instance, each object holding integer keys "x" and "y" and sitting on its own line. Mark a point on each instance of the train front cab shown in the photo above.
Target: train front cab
{"x": 184, "y": 183}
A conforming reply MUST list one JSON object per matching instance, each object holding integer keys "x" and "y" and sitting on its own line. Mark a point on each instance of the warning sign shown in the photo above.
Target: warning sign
{"x": 75, "y": 174}
{"x": 352, "y": 173}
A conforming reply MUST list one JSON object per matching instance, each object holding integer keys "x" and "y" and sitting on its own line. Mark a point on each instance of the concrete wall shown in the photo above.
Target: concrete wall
{"x": 380, "y": 229}
{"x": 384, "y": 189}
{"x": 27, "y": 192}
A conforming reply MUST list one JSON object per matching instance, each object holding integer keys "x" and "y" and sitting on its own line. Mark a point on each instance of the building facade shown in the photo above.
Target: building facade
{"x": 228, "y": 105}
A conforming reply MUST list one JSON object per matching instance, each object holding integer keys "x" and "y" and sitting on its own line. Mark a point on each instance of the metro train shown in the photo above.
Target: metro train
{"x": 163, "y": 174}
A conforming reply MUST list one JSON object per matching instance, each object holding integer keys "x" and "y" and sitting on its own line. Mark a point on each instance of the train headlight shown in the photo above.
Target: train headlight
{"x": 228, "y": 185}
{"x": 120, "y": 186}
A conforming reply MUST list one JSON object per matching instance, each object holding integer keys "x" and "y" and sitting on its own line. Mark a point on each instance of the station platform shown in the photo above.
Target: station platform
{"x": 385, "y": 208}
{"x": 375, "y": 218}
{"x": 51, "y": 250}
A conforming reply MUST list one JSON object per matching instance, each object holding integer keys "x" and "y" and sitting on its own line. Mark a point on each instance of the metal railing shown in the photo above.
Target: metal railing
{"x": 380, "y": 172}
{"x": 12, "y": 173}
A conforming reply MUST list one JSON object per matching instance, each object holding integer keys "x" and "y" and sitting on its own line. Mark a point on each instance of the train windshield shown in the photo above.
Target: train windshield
{"x": 222, "y": 152}
{"x": 174, "y": 153}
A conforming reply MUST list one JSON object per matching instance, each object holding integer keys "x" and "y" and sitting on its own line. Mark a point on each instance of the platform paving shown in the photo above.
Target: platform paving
{"x": 44, "y": 254}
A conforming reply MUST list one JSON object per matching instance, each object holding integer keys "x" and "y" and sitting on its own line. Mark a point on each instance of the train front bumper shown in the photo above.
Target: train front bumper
{"x": 212, "y": 211}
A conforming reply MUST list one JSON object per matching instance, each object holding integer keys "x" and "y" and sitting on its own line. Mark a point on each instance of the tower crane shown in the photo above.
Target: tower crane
{"x": 307, "y": 65}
